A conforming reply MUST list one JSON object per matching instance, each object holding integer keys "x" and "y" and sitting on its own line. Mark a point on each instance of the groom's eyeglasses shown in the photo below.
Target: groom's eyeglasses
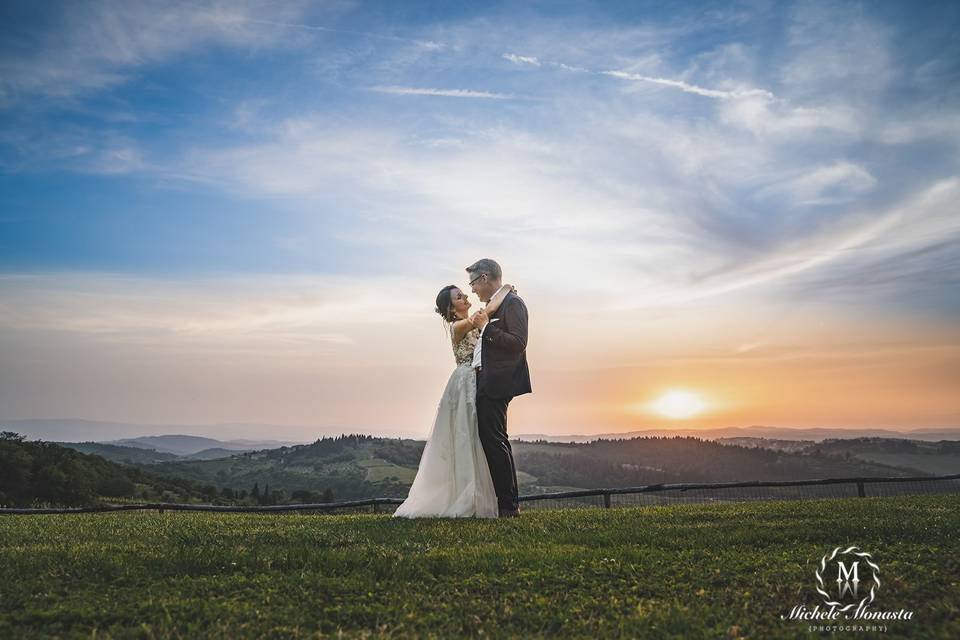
{"x": 482, "y": 275}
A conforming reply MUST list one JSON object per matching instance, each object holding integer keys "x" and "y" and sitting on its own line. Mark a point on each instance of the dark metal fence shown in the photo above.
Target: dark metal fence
{"x": 654, "y": 494}
{"x": 666, "y": 494}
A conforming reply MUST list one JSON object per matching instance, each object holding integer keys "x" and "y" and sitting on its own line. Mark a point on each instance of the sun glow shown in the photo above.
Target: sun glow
{"x": 678, "y": 404}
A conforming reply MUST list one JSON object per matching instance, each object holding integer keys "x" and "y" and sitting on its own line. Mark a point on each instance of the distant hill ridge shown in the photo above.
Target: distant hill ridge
{"x": 240, "y": 436}
{"x": 816, "y": 434}
{"x": 361, "y": 466}
{"x": 185, "y": 445}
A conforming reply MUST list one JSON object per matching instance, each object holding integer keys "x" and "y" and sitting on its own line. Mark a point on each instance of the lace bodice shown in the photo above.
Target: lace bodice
{"x": 463, "y": 350}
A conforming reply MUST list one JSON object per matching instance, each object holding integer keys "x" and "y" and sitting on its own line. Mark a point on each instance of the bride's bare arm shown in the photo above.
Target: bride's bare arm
{"x": 498, "y": 297}
{"x": 460, "y": 328}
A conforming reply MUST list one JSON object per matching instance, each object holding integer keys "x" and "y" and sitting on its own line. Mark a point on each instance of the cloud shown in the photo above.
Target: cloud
{"x": 690, "y": 88}
{"x": 693, "y": 203}
{"x": 73, "y": 148}
{"x": 854, "y": 246}
{"x": 568, "y": 67}
{"x": 830, "y": 184}
{"x": 519, "y": 193}
{"x": 512, "y": 57}
{"x": 942, "y": 127}
{"x": 215, "y": 309}
{"x": 757, "y": 110}
{"x": 426, "y": 44}
{"x": 100, "y": 44}
{"x": 782, "y": 119}
{"x": 446, "y": 93}
{"x": 837, "y": 47}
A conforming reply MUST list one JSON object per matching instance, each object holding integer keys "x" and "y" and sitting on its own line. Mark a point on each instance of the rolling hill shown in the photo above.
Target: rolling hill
{"x": 121, "y": 454}
{"x": 940, "y": 458}
{"x": 37, "y": 473}
{"x": 359, "y": 466}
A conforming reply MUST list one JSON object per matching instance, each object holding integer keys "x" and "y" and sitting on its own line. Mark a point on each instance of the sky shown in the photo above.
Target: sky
{"x": 718, "y": 214}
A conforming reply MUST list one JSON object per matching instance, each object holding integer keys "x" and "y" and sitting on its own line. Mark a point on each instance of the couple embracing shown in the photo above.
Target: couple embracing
{"x": 467, "y": 469}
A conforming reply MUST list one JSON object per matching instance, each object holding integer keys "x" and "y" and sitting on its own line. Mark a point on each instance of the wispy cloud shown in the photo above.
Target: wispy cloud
{"x": 512, "y": 57}
{"x": 754, "y": 109}
{"x": 856, "y": 246}
{"x": 665, "y": 248}
{"x": 98, "y": 45}
{"x": 690, "y": 88}
{"x": 446, "y": 93}
{"x": 624, "y": 75}
{"x": 837, "y": 182}
{"x": 426, "y": 44}
{"x": 230, "y": 311}
{"x": 80, "y": 149}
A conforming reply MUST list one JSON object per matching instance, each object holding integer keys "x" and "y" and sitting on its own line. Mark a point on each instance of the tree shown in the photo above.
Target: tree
{"x": 255, "y": 494}
{"x": 16, "y": 476}
{"x": 45, "y": 473}
{"x": 304, "y": 496}
{"x": 116, "y": 487}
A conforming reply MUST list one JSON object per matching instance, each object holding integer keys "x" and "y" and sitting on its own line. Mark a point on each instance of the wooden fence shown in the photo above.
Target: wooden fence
{"x": 377, "y": 502}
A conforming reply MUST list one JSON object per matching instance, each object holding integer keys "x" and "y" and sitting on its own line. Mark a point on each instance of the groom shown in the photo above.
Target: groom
{"x": 500, "y": 359}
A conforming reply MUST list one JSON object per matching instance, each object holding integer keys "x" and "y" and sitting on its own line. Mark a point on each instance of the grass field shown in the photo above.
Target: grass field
{"x": 685, "y": 571}
{"x": 379, "y": 469}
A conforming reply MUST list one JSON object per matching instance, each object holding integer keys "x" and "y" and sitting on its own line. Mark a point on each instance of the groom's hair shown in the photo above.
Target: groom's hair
{"x": 487, "y": 266}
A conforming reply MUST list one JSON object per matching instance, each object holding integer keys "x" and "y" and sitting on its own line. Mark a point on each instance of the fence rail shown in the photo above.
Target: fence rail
{"x": 949, "y": 483}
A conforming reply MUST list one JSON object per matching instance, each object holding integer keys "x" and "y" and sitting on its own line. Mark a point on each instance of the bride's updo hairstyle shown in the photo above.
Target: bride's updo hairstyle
{"x": 445, "y": 304}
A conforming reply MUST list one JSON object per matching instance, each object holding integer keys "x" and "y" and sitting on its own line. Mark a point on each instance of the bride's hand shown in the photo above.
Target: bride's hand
{"x": 479, "y": 319}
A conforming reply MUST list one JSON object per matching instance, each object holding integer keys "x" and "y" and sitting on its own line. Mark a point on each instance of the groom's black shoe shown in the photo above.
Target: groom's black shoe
{"x": 509, "y": 513}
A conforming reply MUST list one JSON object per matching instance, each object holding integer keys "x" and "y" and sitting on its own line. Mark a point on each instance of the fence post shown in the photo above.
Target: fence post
{"x": 860, "y": 491}
{"x": 606, "y": 500}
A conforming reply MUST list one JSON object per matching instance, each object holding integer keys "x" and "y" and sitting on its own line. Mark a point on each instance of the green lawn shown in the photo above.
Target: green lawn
{"x": 379, "y": 469}
{"x": 684, "y": 571}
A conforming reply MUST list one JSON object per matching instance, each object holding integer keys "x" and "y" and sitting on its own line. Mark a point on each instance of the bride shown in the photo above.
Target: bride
{"x": 453, "y": 479}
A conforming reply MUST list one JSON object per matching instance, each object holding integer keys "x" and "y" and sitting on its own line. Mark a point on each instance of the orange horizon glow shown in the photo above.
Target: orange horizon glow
{"x": 256, "y": 354}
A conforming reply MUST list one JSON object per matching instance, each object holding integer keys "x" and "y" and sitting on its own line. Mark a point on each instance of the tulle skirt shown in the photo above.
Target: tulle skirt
{"x": 453, "y": 479}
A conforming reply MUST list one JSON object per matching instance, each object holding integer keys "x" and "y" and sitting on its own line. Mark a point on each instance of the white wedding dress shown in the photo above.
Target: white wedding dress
{"x": 453, "y": 479}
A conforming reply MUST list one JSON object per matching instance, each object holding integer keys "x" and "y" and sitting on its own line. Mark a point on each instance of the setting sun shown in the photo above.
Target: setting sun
{"x": 678, "y": 404}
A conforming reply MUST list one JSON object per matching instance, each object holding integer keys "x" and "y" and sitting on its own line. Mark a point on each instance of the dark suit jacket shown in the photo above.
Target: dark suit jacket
{"x": 503, "y": 352}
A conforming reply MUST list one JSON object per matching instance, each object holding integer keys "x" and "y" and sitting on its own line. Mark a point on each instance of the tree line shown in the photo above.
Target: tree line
{"x": 45, "y": 474}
